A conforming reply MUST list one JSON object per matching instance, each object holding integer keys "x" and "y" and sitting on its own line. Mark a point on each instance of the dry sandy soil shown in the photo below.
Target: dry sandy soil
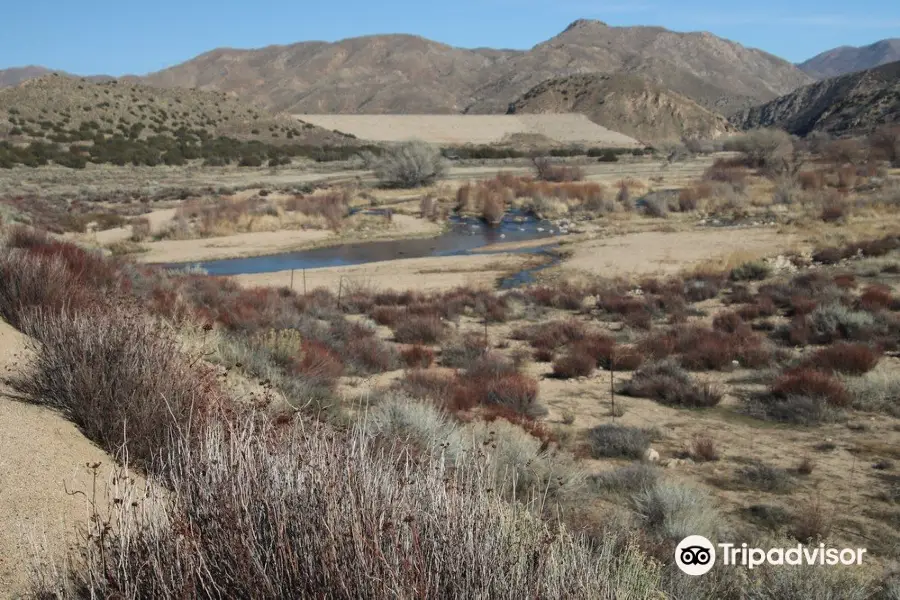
{"x": 259, "y": 243}
{"x": 566, "y": 128}
{"x": 426, "y": 274}
{"x": 42, "y": 455}
{"x": 656, "y": 252}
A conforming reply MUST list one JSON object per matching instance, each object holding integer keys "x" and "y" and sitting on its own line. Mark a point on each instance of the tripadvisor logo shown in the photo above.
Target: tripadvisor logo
{"x": 696, "y": 555}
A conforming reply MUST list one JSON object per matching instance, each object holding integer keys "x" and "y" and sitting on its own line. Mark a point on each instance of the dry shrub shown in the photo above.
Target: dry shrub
{"x": 811, "y": 180}
{"x": 708, "y": 349}
{"x": 801, "y": 305}
{"x": 729, "y": 322}
{"x": 122, "y": 379}
{"x": 726, "y": 172}
{"x": 513, "y": 390}
{"x": 493, "y": 208}
{"x": 461, "y": 352}
{"x": 847, "y": 177}
{"x": 689, "y": 198}
{"x": 810, "y": 383}
{"x": 370, "y": 355}
{"x": 260, "y": 509}
{"x": 806, "y": 466}
{"x": 552, "y": 334}
{"x": 703, "y": 449}
{"x": 813, "y": 522}
{"x": 844, "y": 357}
{"x": 140, "y": 229}
{"x": 429, "y": 384}
{"x": 546, "y": 170}
{"x": 618, "y": 441}
{"x": 667, "y": 383}
{"x": 318, "y": 363}
{"x": 38, "y": 272}
{"x": 574, "y": 363}
{"x": 845, "y": 281}
{"x": 876, "y": 298}
{"x": 417, "y": 357}
{"x": 415, "y": 329}
{"x": 409, "y": 164}
{"x": 833, "y": 210}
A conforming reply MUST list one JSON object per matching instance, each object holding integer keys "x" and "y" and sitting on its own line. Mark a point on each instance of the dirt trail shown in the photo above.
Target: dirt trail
{"x": 41, "y": 455}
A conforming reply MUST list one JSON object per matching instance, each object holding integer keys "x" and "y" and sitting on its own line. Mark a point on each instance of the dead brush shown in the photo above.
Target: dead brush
{"x": 844, "y": 357}
{"x": 703, "y": 449}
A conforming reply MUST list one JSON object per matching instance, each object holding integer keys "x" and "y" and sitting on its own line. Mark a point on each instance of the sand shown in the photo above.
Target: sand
{"x": 262, "y": 243}
{"x": 473, "y": 129}
{"x": 664, "y": 253}
{"x": 425, "y": 274}
{"x": 41, "y": 456}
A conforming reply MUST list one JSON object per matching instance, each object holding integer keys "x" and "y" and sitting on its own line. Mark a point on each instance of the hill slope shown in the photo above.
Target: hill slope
{"x": 850, "y": 59}
{"x": 61, "y": 106}
{"x": 410, "y": 74}
{"x": 853, "y": 103}
{"x": 626, "y": 103}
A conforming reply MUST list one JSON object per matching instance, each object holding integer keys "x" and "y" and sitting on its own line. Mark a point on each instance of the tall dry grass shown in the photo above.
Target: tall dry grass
{"x": 252, "y": 511}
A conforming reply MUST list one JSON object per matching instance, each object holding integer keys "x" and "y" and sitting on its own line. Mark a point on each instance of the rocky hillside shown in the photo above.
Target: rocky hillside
{"x": 65, "y": 108}
{"x": 850, "y": 59}
{"x": 849, "y": 104}
{"x": 409, "y": 74}
{"x": 626, "y": 103}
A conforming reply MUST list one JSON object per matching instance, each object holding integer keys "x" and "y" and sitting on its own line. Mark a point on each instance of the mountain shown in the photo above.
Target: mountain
{"x": 849, "y": 59}
{"x": 57, "y": 106}
{"x": 850, "y": 104}
{"x": 16, "y": 75}
{"x": 410, "y": 74}
{"x": 626, "y": 103}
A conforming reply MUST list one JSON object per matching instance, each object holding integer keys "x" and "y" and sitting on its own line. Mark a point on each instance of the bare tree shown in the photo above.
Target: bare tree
{"x": 885, "y": 141}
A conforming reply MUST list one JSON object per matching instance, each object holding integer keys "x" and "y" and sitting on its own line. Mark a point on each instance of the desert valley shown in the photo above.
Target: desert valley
{"x": 388, "y": 318}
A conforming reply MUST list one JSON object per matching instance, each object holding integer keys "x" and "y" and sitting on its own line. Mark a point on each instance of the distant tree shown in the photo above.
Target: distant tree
{"x": 407, "y": 165}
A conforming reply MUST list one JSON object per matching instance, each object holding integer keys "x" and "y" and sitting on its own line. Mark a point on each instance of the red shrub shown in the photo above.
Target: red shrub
{"x": 877, "y": 297}
{"x": 573, "y": 364}
{"x": 729, "y": 322}
{"x": 598, "y": 346}
{"x": 318, "y": 362}
{"x": 845, "y": 281}
{"x": 801, "y": 306}
{"x": 658, "y": 346}
{"x": 515, "y": 391}
{"x": 844, "y": 357}
{"x": 799, "y": 332}
{"x": 435, "y": 385}
{"x": 534, "y": 428}
{"x": 626, "y": 358}
{"x": 553, "y": 334}
{"x": 386, "y": 315}
{"x": 418, "y": 357}
{"x": 810, "y": 383}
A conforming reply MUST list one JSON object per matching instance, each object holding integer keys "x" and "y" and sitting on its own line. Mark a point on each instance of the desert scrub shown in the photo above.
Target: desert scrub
{"x": 408, "y": 165}
{"x": 472, "y": 543}
{"x": 751, "y": 271}
{"x": 120, "y": 377}
{"x": 667, "y": 383}
{"x": 618, "y": 441}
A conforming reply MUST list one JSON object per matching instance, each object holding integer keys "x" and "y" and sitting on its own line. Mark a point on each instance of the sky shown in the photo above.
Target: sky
{"x": 118, "y": 37}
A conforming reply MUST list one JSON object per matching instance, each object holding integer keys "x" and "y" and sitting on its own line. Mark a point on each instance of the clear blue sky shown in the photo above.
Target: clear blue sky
{"x": 117, "y": 37}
